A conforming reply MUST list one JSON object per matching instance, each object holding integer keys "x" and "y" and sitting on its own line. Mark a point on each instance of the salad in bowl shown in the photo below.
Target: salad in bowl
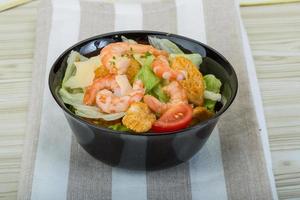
{"x": 140, "y": 88}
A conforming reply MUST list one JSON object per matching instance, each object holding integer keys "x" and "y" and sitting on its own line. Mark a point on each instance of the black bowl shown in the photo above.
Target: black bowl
{"x": 149, "y": 151}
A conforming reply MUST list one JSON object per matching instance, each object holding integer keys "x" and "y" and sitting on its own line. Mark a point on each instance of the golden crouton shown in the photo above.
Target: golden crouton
{"x": 139, "y": 117}
{"x": 194, "y": 83}
{"x": 101, "y": 72}
{"x": 132, "y": 70}
{"x": 201, "y": 113}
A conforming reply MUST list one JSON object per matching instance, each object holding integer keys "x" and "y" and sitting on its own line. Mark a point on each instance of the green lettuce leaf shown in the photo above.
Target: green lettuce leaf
{"x": 146, "y": 75}
{"x": 159, "y": 93}
{"x": 130, "y": 41}
{"x": 212, "y": 91}
{"x": 194, "y": 57}
{"x": 210, "y": 104}
{"x": 212, "y": 96}
{"x": 212, "y": 83}
{"x": 174, "y": 50}
{"x": 144, "y": 59}
{"x": 76, "y": 99}
{"x": 70, "y": 98}
{"x": 165, "y": 44}
{"x": 119, "y": 127}
{"x": 93, "y": 112}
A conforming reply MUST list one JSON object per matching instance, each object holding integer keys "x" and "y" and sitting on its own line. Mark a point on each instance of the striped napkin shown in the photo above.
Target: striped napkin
{"x": 234, "y": 163}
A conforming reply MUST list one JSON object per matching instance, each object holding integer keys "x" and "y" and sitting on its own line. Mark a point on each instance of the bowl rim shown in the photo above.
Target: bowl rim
{"x": 199, "y": 125}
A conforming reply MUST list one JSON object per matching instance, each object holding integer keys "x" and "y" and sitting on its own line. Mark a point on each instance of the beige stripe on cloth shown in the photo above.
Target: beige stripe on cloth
{"x": 35, "y": 106}
{"x": 96, "y": 18}
{"x": 243, "y": 160}
{"x": 88, "y": 177}
{"x": 169, "y": 184}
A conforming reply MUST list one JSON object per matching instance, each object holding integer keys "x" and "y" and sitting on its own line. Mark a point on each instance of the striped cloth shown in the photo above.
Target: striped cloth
{"x": 233, "y": 164}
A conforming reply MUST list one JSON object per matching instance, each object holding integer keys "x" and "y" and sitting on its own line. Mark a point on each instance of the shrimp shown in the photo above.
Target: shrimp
{"x": 108, "y": 82}
{"x": 111, "y": 103}
{"x": 193, "y": 83}
{"x": 113, "y": 56}
{"x": 139, "y": 117}
{"x": 162, "y": 69}
{"x": 177, "y": 95}
{"x": 138, "y": 92}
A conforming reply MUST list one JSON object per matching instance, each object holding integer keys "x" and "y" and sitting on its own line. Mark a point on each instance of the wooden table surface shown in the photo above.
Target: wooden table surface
{"x": 274, "y": 33}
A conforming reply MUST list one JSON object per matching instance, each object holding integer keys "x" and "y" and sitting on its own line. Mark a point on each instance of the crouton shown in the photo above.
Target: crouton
{"x": 194, "y": 83}
{"x": 138, "y": 117}
{"x": 201, "y": 114}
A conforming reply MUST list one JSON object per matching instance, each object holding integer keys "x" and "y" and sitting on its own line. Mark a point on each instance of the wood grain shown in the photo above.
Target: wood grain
{"x": 17, "y": 34}
{"x": 274, "y": 33}
{"x": 264, "y": 2}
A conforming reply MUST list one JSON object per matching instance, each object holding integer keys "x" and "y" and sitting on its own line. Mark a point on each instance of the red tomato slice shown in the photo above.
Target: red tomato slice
{"x": 176, "y": 118}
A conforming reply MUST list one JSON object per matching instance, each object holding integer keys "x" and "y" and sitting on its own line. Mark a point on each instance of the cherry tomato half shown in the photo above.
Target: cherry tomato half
{"x": 176, "y": 118}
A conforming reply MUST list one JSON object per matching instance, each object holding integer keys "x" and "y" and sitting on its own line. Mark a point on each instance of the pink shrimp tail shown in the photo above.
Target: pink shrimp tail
{"x": 162, "y": 69}
{"x": 154, "y": 104}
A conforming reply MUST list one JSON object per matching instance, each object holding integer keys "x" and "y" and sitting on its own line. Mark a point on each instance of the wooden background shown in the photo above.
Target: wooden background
{"x": 274, "y": 33}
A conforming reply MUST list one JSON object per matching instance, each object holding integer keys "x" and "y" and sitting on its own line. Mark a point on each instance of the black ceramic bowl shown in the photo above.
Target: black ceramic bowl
{"x": 150, "y": 150}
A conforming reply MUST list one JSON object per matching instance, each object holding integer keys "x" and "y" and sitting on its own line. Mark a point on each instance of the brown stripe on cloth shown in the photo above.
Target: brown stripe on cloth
{"x": 88, "y": 177}
{"x": 170, "y": 184}
{"x": 174, "y": 183}
{"x": 35, "y": 106}
{"x": 243, "y": 160}
{"x": 96, "y": 17}
{"x": 160, "y": 16}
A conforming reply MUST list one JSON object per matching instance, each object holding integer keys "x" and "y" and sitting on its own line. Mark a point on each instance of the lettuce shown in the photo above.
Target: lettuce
{"x": 144, "y": 59}
{"x": 212, "y": 91}
{"x": 212, "y": 83}
{"x": 71, "y": 98}
{"x": 159, "y": 93}
{"x": 93, "y": 112}
{"x": 119, "y": 127}
{"x": 165, "y": 44}
{"x": 212, "y": 96}
{"x": 174, "y": 50}
{"x": 146, "y": 75}
{"x": 130, "y": 41}
{"x": 151, "y": 81}
{"x": 71, "y": 68}
{"x": 210, "y": 104}
{"x": 76, "y": 99}
{"x": 194, "y": 57}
